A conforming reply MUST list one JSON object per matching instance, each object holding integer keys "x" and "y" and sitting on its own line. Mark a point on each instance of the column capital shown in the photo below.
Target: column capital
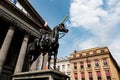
{"x": 12, "y": 27}
{"x": 13, "y": 23}
{"x": 27, "y": 35}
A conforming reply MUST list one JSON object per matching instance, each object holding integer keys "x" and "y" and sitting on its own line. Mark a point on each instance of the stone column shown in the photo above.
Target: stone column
{"x": 51, "y": 78}
{"x": 72, "y": 69}
{"x": 93, "y": 70}
{"x": 86, "y": 69}
{"x": 22, "y": 53}
{"x": 103, "y": 76}
{"x": 5, "y": 46}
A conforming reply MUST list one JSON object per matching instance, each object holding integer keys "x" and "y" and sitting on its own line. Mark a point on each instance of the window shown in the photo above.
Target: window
{"x": 96, "y": 63}
{"x": 89, "y": 64}
{"x": 87, "y": 54}
{"x": 81, "y": 65}
{"x": 94, "y": 52}
{"x": 68, "y": 66}
{"x": 74, "y": 56}
{"x": 105, "y": 62}
{"x": 107, "y": 74}
{"x": 58, "y": 67}
{"x": 102, "y": 51}
{"x": 68, "y": 74}
{"x": 63, "y": 67}
{"x": 98, "y": 75}
{"x": 90, "y": 76}
{"x": 80, "y": 55}
{"x": 99, "y": 78}
{"x": 108, "y": 77}
{"x": 75, "y": 65}
{"x": 75, "y": 76}
{"x": 82, "y": 76}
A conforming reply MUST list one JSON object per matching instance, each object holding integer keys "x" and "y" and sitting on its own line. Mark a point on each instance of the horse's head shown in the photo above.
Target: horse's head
{"x": 61, "y": 28}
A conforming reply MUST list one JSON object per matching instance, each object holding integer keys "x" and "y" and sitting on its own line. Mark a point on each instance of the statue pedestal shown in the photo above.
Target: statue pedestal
{"x": 41, "y": 75}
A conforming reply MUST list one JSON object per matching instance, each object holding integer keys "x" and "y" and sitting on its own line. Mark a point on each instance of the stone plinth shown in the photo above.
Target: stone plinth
{"x": 41, "y": 75}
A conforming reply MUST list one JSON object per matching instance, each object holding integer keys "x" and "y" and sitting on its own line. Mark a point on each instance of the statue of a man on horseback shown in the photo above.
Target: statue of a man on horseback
{"x": 47, "y": 42}
{"x": 44, "y": 37}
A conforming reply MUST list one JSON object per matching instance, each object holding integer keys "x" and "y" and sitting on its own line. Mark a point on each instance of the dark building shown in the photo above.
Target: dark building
{"x": 17, "y": 29}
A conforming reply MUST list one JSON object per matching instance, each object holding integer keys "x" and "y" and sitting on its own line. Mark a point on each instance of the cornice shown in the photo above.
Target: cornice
{"x": 6, "y": 5}
{"x": 32, "y": 12}
{"x": 89, "y": 53}
{"x": 89, "y": 56}
{"x": 18, "y": 22}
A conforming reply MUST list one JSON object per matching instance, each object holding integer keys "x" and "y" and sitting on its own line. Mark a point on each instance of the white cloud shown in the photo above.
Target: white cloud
{"x": 88, "y": 43}
{"x": 115, "y": 49}
{"x": 100, "y": 17}
{"x": 89, "y": 14}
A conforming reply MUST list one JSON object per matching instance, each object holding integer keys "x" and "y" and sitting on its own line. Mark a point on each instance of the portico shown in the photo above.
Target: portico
{"x": 17, "y": 30}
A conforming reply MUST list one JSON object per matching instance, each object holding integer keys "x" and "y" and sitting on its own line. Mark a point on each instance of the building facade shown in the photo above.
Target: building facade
{"x": 63, "y": 65}
{"x": 19, "y": 25}
{"x": 94, "y": 64}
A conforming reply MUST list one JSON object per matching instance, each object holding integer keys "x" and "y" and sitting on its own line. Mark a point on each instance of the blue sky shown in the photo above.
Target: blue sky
{"x": 91, "y": 23}
{"x": 51, "y": 10}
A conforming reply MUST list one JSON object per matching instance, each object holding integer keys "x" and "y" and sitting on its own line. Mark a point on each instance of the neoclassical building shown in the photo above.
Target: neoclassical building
{"x": 63, "y": 65}
{"x": 94, "y": 64}
{"x": 19, "y": 25}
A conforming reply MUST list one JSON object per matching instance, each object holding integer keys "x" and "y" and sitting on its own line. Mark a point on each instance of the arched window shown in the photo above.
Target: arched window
{"x": 90, "y": 76}
{"x": 89, "y": 64}
{"x": 76, "y": 76}
{"x": 98, "y": 75}
{"x": 105, "y": 62}
{"x": 75, "y": 65}
{"x": 107, "y": 72}
{"x": 82, "y": 76}
{"x": 96, "y": 62}
{"x": 81, "y": 65}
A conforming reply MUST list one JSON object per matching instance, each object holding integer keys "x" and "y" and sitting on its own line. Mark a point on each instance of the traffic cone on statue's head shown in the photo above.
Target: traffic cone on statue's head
{"x": 46, "y": 24}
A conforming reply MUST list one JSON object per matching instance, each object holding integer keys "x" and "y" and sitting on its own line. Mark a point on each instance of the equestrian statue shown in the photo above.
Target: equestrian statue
{"x": 47, "y": 42}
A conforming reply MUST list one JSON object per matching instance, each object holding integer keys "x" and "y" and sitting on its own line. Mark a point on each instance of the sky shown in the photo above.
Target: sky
{"x": 91, "y": 23}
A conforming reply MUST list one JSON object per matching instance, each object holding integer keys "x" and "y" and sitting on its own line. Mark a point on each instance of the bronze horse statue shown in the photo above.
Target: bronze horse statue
{"x": 49, "y": 45}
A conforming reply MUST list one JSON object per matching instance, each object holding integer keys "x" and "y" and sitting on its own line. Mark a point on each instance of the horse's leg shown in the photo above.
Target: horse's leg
{"x": 42, "y": 61}
{"x": 55, "y": 58}
{"x": 49, "y": 58}
{"x": 35, "y": 58}
{"x": 30, "y": 61}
